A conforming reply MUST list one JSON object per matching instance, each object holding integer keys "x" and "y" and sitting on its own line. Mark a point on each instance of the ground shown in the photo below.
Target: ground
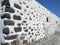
{"x": 54, "y": 40}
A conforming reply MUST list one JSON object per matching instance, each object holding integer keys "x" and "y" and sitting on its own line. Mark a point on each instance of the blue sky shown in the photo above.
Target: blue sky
{"x": 52, "y": 5}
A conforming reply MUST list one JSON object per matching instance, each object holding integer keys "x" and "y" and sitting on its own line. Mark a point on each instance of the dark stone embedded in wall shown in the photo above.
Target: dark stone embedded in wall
{"x": 22, "y": 37}
{"x": 4, "y": 43}
{"x": 5, "y": 2}
{"x": 6, "y": 30}
{"x": 27, "y": 6}
{"x": 6, "y": 16}
{"x": 16, "y": 17}
{"x": 30, "y": 18}
{"x": 19, "y": 24}
{"x": 9, "y": 9}
{"x": 18, "y": 29}
{"x": 8, "y": 22}
{"x": 26, "y": 30}
{"x": 17, "y": 6}
{"x": 15, "y": 42}
{"x": 21, "y": 13}
{"x": 24, "y": 21}
{"x": 10, "y": 37}
{"x": 24, "y": 41}
{"x": 31, "y": 29}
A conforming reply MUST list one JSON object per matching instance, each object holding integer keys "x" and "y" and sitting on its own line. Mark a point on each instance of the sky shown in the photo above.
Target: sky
{"x": 52, "y": 5}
